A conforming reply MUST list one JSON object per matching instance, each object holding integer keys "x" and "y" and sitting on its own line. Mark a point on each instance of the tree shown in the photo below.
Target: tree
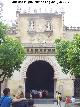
{"x": 61, "y": 54}
{"x": 74, "y": 55}
{"x": 3, "y": 30}
{"x": 68, "y": 55}
{"x": 11, "y": 56}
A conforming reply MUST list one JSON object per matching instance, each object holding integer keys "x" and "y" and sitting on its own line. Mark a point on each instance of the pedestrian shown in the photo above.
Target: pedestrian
{"x": 31, "y": 103}
{"x": 30, "y": 95}
{"x": 20, "y": 95}
{"x": 6, "y": 100}
{"x": 59, "y": 99}
{"x": 40, "y": 94}
{"x": 73, "y": 100}
{"x": 68, "y": 101}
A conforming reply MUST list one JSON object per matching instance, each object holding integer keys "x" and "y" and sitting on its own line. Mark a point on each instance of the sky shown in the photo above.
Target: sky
{"x": 71, "y": 9}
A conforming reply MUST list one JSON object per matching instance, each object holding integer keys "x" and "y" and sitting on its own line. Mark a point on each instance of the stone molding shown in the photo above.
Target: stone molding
{"x": 58, "y": 74}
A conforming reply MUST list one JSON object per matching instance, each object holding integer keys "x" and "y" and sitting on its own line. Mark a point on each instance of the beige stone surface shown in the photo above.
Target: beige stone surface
{"x": 70, "y": 34}
{"x": 63, "y": 83}
{"x": 40, "y": 22}
{"x": 66, "y": 87}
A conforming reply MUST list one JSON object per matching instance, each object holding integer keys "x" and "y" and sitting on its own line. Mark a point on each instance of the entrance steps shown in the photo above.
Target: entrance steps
{"x": 44, "y": 101}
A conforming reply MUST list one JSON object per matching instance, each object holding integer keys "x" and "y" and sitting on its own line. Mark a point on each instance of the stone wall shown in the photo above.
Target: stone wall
{"x": 68, "y": 35}
{"x": 66, "y": 87}
{"x": 63, "y": 82}
{"x": 39, "y": 35}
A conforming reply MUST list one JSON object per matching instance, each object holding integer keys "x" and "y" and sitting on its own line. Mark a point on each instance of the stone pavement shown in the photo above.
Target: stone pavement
{"x": 49, "y": 105}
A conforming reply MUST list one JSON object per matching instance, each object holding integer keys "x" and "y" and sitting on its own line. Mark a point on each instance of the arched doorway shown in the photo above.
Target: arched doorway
{"x": 40, "y": 76}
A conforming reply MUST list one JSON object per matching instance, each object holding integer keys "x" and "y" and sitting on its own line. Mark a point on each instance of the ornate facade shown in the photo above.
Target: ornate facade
{"x": 37, "y": 32}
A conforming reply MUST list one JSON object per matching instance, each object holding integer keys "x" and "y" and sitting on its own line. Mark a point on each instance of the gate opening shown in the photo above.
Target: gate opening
{"x": 40, "y": 77}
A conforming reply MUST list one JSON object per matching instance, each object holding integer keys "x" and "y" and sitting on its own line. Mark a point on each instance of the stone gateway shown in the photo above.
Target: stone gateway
{"x": 40, "y": 69}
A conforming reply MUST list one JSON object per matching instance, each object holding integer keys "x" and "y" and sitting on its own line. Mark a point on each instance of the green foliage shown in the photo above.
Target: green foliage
{"x": 61, "y": 50}
{"x": 11, "y": 53}
{"x": 11, "y": 56}
{"x": 74, "y": 55}
{"x": 3, "y": 29}
{"x": 68, "y": 55}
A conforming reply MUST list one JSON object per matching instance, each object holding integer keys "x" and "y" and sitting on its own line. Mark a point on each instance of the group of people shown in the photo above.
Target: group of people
{"x": 39, "y": 94}
{"x": 6, "y": 100}
{"x": 68, "y": 101}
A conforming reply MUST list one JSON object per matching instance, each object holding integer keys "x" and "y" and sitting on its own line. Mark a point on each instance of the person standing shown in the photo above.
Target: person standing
{"x": 31, "y": 103}
{"x": 68, "y": 101}
{"x": 19, "y": 95}
{"x": 73, "y": 99}
{"x": 40, "y": 93}
{"x": 57, "y": 97}
{"x": 6, "y": 100}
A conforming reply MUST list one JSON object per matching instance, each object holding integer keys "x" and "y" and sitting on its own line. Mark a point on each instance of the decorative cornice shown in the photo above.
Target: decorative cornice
{"x": 71, "y": 28}
{"x": 43, "y": 15}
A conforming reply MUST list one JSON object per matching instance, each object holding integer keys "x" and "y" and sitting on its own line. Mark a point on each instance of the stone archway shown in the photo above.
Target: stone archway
{"x": 50, "y": 59}
{"x": 58, "y": 74}
{"x": 40, "y": 76}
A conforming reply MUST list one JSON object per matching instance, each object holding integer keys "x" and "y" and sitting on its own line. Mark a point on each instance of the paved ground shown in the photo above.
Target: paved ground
{"x": 45, "y": 103}
{"x": 49, "y": 105}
